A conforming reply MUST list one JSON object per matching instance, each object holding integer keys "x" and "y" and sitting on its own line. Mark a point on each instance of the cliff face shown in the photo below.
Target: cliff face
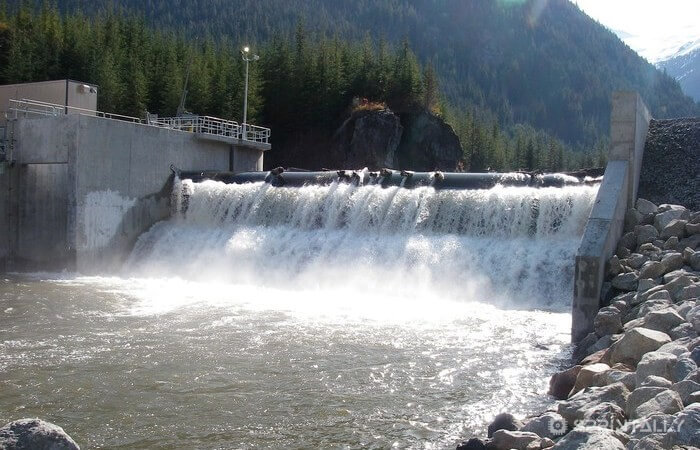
{"x": 414, "y": 140}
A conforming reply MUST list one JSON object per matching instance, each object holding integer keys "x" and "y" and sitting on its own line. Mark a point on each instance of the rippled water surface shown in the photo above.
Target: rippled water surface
{"x": 118, "y": 363}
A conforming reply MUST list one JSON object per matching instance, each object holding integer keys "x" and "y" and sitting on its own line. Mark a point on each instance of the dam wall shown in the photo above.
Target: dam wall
{"x": 83, "y": 188}
{"x": 628, "y": 130}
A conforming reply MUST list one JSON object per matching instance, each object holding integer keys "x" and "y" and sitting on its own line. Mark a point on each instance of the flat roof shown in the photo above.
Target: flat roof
{"x": 64, "y": 80}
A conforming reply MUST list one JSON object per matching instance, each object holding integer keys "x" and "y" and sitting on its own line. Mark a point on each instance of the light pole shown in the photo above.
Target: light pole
{"x": 247, "y": 57}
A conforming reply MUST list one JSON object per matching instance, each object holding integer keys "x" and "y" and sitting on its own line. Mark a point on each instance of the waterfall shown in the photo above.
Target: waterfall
{"x": 510, "y": 246}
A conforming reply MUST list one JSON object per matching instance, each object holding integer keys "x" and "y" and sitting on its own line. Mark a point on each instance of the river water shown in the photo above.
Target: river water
{"x": 317, "y": 317}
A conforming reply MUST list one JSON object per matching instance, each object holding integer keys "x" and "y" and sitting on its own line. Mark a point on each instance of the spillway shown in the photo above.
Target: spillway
{"x": 507, "y": 245}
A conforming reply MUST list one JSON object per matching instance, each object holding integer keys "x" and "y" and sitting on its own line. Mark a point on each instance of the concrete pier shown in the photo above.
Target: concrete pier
{"x": 618, "y": 191}
{"x": 83, "y": 188}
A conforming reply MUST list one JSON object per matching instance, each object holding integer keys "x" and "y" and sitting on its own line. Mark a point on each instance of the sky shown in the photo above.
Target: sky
{"x": 655, "y": 29}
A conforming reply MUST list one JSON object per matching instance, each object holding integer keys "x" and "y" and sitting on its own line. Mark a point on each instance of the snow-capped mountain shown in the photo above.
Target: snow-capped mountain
{"x": 684, "y": 66}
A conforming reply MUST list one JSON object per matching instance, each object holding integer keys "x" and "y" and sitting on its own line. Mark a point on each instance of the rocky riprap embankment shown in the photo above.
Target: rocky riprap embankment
{"x": 35, "y": 434}
{"x": 636, "y": 384}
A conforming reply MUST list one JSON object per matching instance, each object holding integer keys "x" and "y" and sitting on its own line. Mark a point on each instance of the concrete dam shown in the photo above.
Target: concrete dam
{"x": 288, "y": 308}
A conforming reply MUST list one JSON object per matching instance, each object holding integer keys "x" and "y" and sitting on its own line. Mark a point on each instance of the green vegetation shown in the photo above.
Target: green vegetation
{"x": 505, "y": 87}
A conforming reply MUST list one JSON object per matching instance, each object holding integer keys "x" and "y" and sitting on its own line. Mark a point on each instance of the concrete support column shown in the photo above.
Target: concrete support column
{"x": 246, "y": 159}
{"x": 629, "y": 123}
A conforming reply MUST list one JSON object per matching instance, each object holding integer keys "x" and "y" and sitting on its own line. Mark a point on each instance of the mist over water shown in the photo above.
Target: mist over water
{"x": 314, "y": 317}
{"x": 507, "y": 245}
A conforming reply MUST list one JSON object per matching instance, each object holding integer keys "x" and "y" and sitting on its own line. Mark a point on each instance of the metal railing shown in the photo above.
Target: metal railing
{"x": 214, "y": 126}
{"x": 208, "y": 125}
{"x": 27, "y": 107}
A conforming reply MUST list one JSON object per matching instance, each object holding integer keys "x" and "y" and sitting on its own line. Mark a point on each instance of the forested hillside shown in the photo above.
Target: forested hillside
{"x": 541, "y": 63}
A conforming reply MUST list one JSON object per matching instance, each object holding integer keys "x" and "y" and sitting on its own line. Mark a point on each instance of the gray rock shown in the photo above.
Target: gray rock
{"x": 645, "y": 426}
{"x": 628, "y": 241}
{"x": 550, "y": 425}
{"x": 694, "y": 260}
{"x": 671, "y": 243}
{"x": 629, "y": 379}
{"x": 685, "y": 388}
{"x": 691, "y": 242}
{"x": 646, "y": 234}
{"x": 683, "y": 368}
{"x": 662, "y": 219}
{"x": 614, "y": 266}
{"x": 692, "y": 228}
{"x": 472, "y": 444}
{"x": 607, "y": 321}
{"x": 646, "y": 207}
{"x": 574, "y": 408}
{"x": 655, "y": 381}
{"x": 684, "y": 306}
{"x": 505, "y": 440}
{"x": 606, "y": 415}
{"x": 695, "y": 355}
{"x": 651, "y": 442}
{"x": 590, "y": 438}
{"x": 676, "y": 348}
{"x": 672, "y": 261}
{"x": 636, "y": 260}
{"x": 666, "y": 402}
{"x": 689, "y": 292}
{"x": 676, "y": 227}
{"x": 639, "y": 396}
{"x": 635, "y": 343}
{"x": 625, "y": 281}
{"x": 645, "y": 284}
{"x": 686, "y": 426}
{"x": 632, "y": 219}
{"x": 684, "y": 330}
{"x": 693, "y": 316}
{"x": 35, "y": 434}
{"x": 652, "y": 269}
{"x": 663, "y": 320}
{"x": 650, "y": 248}
{"x": 657, "y": 364}
{"x": 586, "y": 375}
{"x": 653, "y": 304}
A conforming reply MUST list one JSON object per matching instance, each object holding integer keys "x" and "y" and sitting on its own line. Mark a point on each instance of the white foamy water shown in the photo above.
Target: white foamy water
{"x": 506, "y": 245}
{"x": 316, "y": 317}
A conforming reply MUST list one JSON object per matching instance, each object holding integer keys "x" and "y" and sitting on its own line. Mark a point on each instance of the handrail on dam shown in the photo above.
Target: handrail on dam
{"x": 204, "y": 125}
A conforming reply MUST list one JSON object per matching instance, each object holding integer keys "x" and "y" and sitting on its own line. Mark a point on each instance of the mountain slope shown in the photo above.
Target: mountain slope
{"x": 684, "y": 66}
{"x": 542, "y": 63}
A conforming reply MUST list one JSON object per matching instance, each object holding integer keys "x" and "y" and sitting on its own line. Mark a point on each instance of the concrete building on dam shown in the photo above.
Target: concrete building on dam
{"x": 78, "y": 186}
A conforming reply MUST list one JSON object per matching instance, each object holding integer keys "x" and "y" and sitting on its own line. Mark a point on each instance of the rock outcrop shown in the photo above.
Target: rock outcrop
{"x": 416, "y": 139}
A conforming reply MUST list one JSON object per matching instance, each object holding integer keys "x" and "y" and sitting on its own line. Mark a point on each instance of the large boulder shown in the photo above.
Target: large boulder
{"x": 685, "y": 429}
{"x": 675, "y": 227}
{"x": 587, "y": 374}
{"x": 519, "y": 440}
{"x": 662, "y": 320}
{"x": 635, "y": 343}
{"x": 626, "y": 281}
{"x": 550, "y": 425}
{"x": 666, "y": 402}
{"x": 652, "y": 269}
{"x": 561, "y": 383}
{"x": 646, "y": 207}
{"x": 607, "y": 415}
{"x": 685, "y": 389}
{"x": 574, "y": 409}
{"x": 662, "y": 219}
{"x": 607, "y": 321}
{"x": 590, "y": 438}
{"x": 656, "y": 363}
{"x": 646, "y": 234}
{"x": 640, "y": 396}
{"x": 35, "y": 434}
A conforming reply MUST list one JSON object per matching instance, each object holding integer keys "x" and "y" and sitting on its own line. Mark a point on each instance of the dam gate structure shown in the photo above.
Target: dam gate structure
{"x": 78, "y": 187}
